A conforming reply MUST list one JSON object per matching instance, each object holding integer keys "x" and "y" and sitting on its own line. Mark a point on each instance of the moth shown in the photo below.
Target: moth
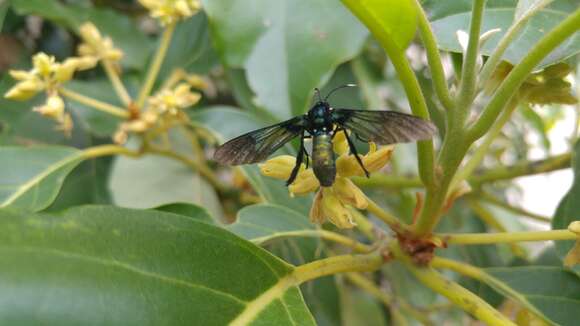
{"x": 321, "y": 123}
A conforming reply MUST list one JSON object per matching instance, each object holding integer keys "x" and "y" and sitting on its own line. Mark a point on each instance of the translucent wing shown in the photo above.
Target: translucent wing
{"x": 257, "y": 145}
{"x": 384, "y": 127}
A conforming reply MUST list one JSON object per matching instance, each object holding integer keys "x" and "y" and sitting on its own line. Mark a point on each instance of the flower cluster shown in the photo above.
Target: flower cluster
{"x": 96, "y": 46}
{"x": 336, "y": 202}
{"x": 170, "y": 11}
{"x": 48, "y": 75}
{"x": 163, "y": 110}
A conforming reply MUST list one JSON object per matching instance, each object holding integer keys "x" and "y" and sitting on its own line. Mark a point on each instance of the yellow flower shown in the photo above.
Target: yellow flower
{"x": 163, "y": 111}
{"x": 95, "y": 45}
{"x": 170, "y": 11}
{"x": 46, "y": 74}
{"x": 53, "y": 108}
{"x": 335, "y": 202}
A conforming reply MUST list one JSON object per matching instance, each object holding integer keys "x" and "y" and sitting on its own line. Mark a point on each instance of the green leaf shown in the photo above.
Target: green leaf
{"x": 152, "y": 181}
{"x": 114, "y": 266}
{"x": 4, "y": 4}
{"x": 195, "y": 212}
{"x": 30, "y": 178}
{"x": 189, "y": 42}
{"x": 287, "y": 47}
{"x": 568, "y": 210}
{"x": 359, "y": 308}
{"x": 99, "y": 123}
{"x": 124, "y": 32}
{"x": 396, "y": 18}
{"x": 86, "y": 184}
{"x": 552, "y": 290}
{"x": 447, "y": 17}
{"x": 239, "y": 122}
{"x": 264, "y": 222}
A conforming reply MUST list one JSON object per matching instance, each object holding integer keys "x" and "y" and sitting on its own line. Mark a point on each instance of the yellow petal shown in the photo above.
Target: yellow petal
{"x": 278, "y": 167}
{"x": 316, "y": 215}
{"x": 335, "y": 211}
{"x": 89, "y": 33}
{"x": 376, "y": 160}
{"x": 43, "y": 63}
{"x": 339, "y": 143}
{"x": 21, "y": 74}
{"x": 347, "y": 166}
{"x": 24, "y": 90}
{"x": 305, "y": 182}
{"x": 53, "y": 108}
{"x": 349, "y": 193}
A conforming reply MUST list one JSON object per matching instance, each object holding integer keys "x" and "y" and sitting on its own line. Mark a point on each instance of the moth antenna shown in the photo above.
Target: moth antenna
{"x": 339, "y": 87}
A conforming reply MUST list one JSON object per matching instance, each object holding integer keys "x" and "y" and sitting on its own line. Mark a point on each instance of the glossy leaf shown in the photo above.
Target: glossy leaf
{"x": 189, "y": 42}
{"x": 30, "y": 178}
{"x": 265, "y": 222}
{"x": 124, "y": 32}
{"x": 287, "y": 47}
{"x": 98, "y": 123}
{"x": 197, "y": 213}
{"x": 227, "y": 123}
{"x": 554, "y": 291}
{"x": 114, "y": 266}
{"x": 152, "y": 180}
{"x": 397, "y": 18}
{"x": 449, "y": 17}
{"x": 568, "y": 210}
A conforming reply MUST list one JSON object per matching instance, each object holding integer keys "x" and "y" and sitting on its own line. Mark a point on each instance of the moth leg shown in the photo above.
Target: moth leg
{"x": 355, "y": 153}
{"x": 303, "y": 149}
{"x": 299, "y": 159}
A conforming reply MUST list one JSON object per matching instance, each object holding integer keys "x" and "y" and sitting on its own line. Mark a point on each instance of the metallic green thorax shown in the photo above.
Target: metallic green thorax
{"x": 323, "y": 159}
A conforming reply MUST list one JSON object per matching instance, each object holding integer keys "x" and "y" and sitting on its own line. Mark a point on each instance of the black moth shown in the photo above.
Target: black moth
{"x": 322, "y": 123}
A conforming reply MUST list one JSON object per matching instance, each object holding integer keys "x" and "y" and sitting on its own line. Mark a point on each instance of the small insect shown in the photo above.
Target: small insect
{"x": 321, "y": 123}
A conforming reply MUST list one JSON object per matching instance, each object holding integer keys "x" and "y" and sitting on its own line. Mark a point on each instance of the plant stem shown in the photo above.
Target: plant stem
{"x": 410, "y": 83}
{"x": 390, "y": 303}
{"x": 106, "y": 150}
{"x": 506, "y": 237}
{"x": 516, "y": 77}
{"x": 116, "y": 81}
{"x": 482, "y": 276}
{"x": 323, "y": 234}
{"x": 434, "y": 59}
{"x": 457, "y": 294}
{"x": 337, "y": 264}
{"x": 517, "y": 210}
{"x": 156, "y": 65}
{"x": 491, "y": 221}
{"x": 553, "y": 163}
{"x": 482, "y": 148}
{"x": 394, "y": 223}
{"x": 95, "y": 104}
{"x": 467, "y": 85}
{"x": 505, "y": 42}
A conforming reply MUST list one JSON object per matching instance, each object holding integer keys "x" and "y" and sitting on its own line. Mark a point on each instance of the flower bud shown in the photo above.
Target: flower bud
{"x": 90, "y": 33}
{"x": 278, "y": 167}
{"x": 43, "y": 63}
{"x": 21, "y": 74}
{"x": 24, "y": 90}
{"x": 53, "y": 108}
{"x": 305, "y": 182}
